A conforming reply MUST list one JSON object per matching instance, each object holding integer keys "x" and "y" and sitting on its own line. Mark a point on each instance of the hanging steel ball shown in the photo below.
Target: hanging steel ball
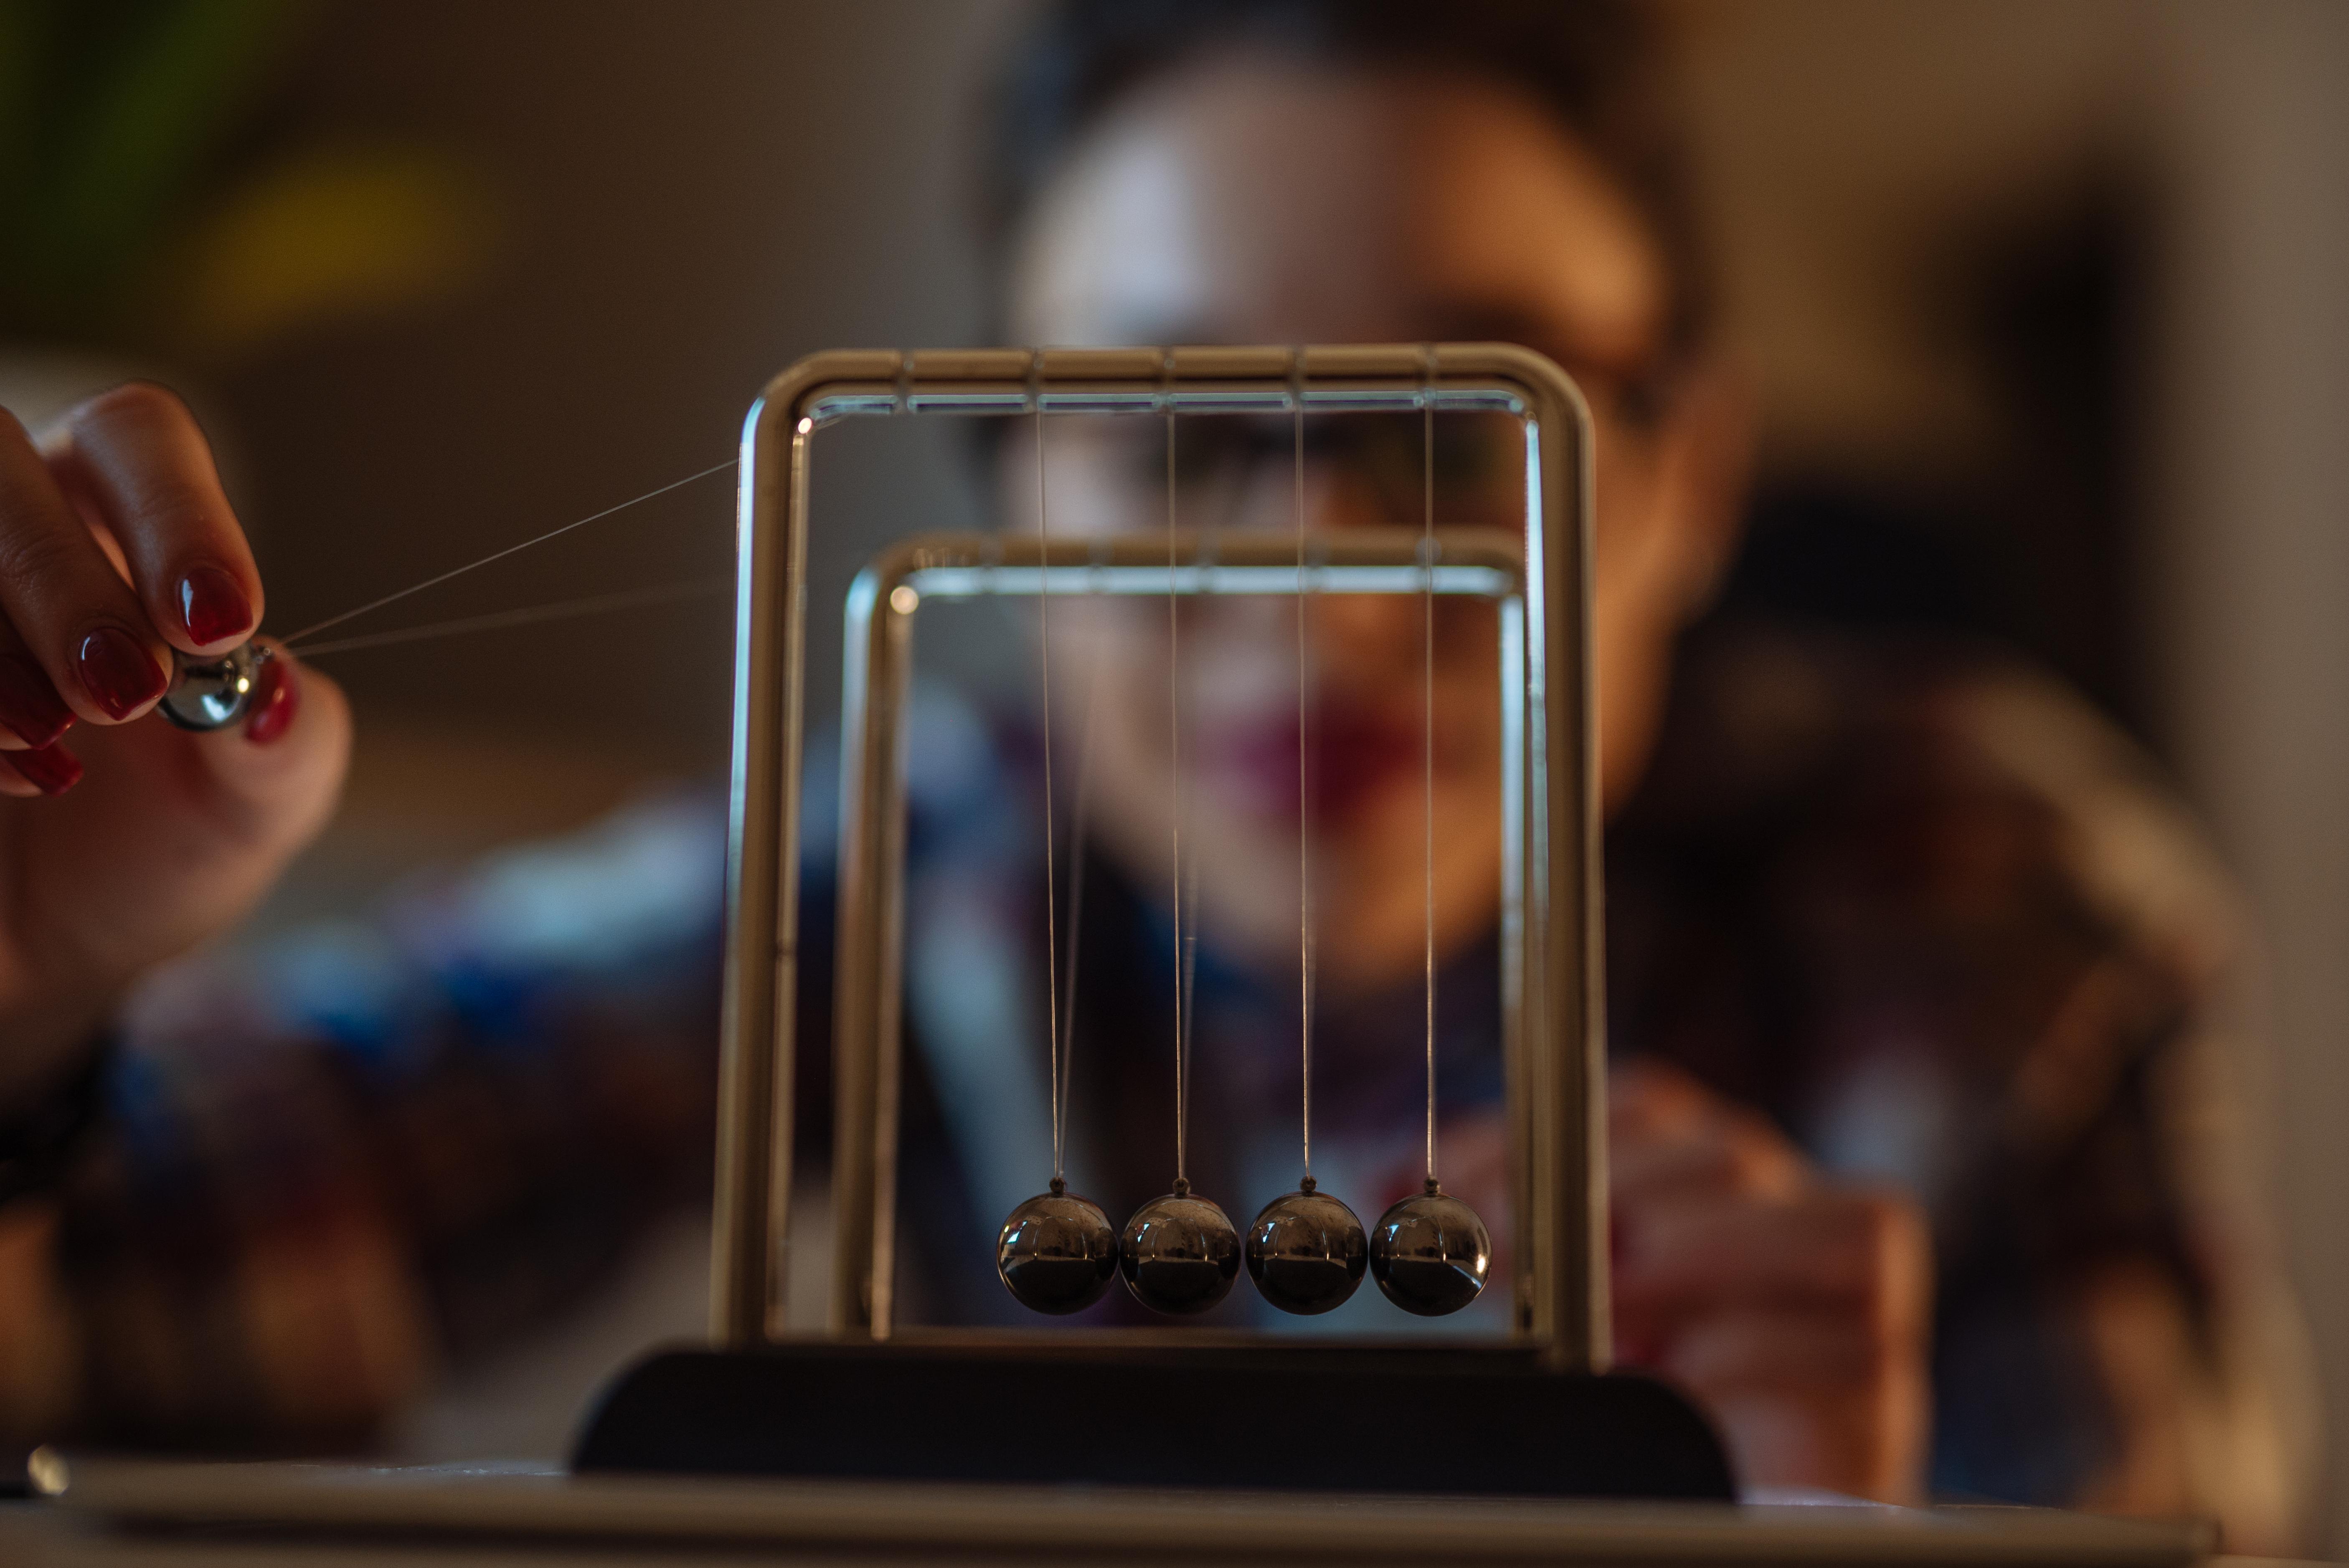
{"x": 213, "y": 693}
{"x": 1307, "y": 1251}
{"x": 1180, "y": 1253}
{"x": 1430, "y": 1253}
{"x": 1057, "y": 1254}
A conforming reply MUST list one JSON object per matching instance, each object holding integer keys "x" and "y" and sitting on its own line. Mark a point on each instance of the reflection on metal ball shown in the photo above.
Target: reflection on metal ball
{"x": 1180, "y": 1253}
{"x": 1430, "y": 1253}
{"x": 213, "y": 693}
{"x": 1058, "y": 1252}
{"x": 1307, "y": 1251}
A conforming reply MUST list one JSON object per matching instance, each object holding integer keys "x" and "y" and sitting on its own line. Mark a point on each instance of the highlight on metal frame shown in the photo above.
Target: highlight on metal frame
{"x": 1551, "y": 938}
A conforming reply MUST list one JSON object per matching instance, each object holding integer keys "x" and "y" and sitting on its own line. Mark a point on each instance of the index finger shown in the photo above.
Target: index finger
{"x": 81, "y": 622}
{"x": 136, "y": 456}
{"x": 1737, "y": 1154}
{"x": 1854, "y": 1247}
{"x": 1645, "y": 1096}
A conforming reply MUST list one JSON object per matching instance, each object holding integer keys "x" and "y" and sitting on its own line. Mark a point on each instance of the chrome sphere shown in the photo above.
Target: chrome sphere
{"x": 1307, "y": 1251}
{"x": 1430, "y": 1253}
{"x": 213, "y": 693}
{"x": 1058, "y": 1252}
{"x": 1180, "y": 1253}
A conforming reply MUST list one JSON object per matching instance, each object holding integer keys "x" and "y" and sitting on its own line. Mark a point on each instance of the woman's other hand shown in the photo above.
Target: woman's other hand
{"x": 1795, "y": 1310}
{"x": 123, "y": 841}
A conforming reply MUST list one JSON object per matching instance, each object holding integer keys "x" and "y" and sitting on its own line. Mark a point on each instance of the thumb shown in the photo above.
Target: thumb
{"x": 170, "y": 839}
{"x": 274, "y": 777}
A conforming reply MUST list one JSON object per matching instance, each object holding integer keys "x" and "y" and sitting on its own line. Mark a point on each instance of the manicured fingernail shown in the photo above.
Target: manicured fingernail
{"x": 120, "y": 676}
{"x": 52, "y": 770}
{"x": 29, "y": 705}
{"x": 276, "y": 698}
{"x": 212, "y": 606}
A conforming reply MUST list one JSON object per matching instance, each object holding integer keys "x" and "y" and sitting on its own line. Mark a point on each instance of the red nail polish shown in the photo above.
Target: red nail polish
{"x": 276, "y": 698}
{"x": 29, "y": 705}
{"x": 212, "y": 606}
{"x": 120, "y": 676}
{"x": 52, "y": 770}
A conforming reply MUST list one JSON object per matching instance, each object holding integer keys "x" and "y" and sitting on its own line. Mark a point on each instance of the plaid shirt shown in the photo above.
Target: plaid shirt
{"x": 1921, "y": 907}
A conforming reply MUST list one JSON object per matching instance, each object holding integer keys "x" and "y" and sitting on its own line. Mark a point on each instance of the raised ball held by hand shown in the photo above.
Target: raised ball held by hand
{"x": 1430, "y": 1253}
{"x": 1180, "y": 1254}
{"x": 213, "y": 693}
{"x": 1307, "y": 1251}
{"x": 1057, "y": 1252}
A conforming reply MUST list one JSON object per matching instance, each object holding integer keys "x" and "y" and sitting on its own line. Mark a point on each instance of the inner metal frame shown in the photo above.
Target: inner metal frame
{"x": 882, "y": 604}
{"x": 1556, "y": 1038}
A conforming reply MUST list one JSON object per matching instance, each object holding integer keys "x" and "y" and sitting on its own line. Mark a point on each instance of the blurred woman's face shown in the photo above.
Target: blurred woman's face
{"x": 1250, "y": 201}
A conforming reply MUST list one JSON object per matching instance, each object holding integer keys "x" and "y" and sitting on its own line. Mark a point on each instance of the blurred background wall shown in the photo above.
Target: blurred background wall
{"x": 2049, "y": 289}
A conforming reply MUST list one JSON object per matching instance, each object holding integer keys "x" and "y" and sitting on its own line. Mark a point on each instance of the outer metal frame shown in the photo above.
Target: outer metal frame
{"x": 1564, "y": 1014}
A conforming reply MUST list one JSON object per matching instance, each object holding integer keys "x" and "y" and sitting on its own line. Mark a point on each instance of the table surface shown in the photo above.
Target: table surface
{"x": 122, "y": 1513}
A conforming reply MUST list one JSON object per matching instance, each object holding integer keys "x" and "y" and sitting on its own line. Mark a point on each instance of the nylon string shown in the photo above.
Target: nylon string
{"x": 1077, "y": 819}
{"x": 1427, "y": 754}
{"x": 496, "y": 621}
{"x": 1304, "y": 827}
{"x": 1175, "y": 765}
{"x": 333, "y": 620}
{"x": 1044, "y": 701}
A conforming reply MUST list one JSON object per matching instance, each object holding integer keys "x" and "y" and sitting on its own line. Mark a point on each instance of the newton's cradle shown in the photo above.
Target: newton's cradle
{"x": 1535, "y": 1414}
{"x": 882, "y": 1435}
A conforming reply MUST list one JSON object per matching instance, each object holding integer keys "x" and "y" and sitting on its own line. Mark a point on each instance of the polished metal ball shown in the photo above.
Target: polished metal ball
{"x": 1180, "y": 1253}
{"x": 1430, "y": 1253}
{"x": 1058, "y": 1252}
{"x": 1307, "y": 1251}
{"x": 213, "y": 693}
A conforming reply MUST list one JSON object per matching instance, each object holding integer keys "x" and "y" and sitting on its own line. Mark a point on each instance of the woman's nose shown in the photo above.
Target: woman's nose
{"x": 1363, "y": 640}
{"x": 1334, "y": 496}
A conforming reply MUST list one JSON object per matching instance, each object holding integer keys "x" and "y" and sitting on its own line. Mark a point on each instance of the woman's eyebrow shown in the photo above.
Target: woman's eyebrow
{"x": 1448, "y": 321}
{"x": 1487, "y": 322}
{"x": 1142, "y": 331}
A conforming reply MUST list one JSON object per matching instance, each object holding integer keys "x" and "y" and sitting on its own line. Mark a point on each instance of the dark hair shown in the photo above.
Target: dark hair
{"x": 1593, "y": 64}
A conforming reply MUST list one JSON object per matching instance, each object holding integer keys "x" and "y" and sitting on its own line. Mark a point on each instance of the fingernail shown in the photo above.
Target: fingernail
{"x": 120, "y": 676}
{"x": 212, "y": 606}
{"x": 276, "y": 698}
{"x": 29, "y": 705}
{"x": 52, "y": 770}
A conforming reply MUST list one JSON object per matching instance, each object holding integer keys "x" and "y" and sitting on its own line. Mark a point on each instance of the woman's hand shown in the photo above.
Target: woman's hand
{"x": 124, "y": 840}
{"x": 1794, "y": 1311}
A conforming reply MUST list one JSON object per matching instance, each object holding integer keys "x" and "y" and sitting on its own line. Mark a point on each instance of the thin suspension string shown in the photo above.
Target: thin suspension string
{"x": 1427, "y": 752}
{"x": 373, "y": 605}
{"x": 1190, "y": 979}
{"x": 1175, "y": 755}
{"x": 1190, "y": 973}
{"x": 1304, "y": 828}
{"x": 562, "y": 609}
{"x": 1077, "y": 821}
{"x": 1052, "y": 932}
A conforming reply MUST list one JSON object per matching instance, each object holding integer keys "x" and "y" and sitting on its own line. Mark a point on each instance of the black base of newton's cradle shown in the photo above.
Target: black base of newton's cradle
{"x": 1474, "y": 1421}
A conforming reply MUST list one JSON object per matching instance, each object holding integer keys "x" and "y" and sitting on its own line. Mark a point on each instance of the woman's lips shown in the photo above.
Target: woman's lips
{"x": 1253, "y": 762}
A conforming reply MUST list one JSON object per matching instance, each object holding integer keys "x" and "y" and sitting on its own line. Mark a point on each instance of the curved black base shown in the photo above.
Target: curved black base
{"x": 1323, "y": 1420}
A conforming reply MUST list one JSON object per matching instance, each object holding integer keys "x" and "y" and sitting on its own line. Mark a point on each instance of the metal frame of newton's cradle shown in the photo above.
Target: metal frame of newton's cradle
{"x": 1553, "y": 1019}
